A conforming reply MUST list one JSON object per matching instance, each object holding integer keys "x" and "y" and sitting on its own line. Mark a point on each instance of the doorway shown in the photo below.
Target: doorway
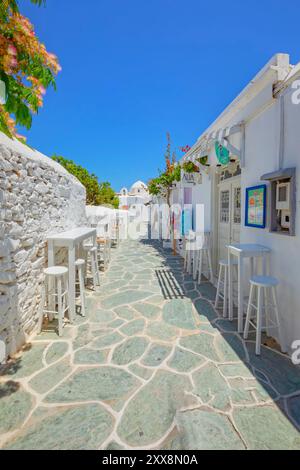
{"x": 229, "y": 214}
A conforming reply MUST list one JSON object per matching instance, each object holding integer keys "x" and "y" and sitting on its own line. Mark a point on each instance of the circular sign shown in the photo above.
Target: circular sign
{"x": 222, "y": 153}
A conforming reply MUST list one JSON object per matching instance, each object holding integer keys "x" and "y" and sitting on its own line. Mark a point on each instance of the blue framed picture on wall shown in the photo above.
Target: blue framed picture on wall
{"x": 256, "y": 206}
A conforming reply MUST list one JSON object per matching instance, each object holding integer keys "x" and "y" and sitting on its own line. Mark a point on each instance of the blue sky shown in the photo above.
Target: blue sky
{"x": 135, "y": 69}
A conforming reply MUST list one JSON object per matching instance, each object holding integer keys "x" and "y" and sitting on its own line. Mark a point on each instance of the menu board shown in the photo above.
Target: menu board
{"x": 256, "y": 206}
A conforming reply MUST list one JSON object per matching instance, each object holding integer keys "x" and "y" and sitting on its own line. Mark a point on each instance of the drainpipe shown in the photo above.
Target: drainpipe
{"x": 281, "y": 132}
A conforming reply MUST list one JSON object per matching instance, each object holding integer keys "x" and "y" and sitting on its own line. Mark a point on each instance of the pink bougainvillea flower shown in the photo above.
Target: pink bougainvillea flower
{"x": 12, "y": 50}
{"x": 42, "y": 90}
{"x": 13, "y": 63}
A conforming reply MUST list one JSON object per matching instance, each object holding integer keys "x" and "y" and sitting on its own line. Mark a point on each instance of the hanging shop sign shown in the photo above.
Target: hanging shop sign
{"x": 191, "y": 178}
{"x": 256, "y": 205}
{"x": 222, "y": 154}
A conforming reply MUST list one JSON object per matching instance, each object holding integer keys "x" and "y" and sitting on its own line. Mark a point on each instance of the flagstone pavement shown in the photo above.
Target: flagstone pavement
{"x": 152, "y": 366}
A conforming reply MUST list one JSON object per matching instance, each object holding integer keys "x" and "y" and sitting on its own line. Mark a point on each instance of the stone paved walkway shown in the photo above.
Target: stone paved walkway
{"x": 153, "y": 366}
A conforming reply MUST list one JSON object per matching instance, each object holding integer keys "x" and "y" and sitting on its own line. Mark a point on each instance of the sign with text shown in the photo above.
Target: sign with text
{"x": 191, "y": 178}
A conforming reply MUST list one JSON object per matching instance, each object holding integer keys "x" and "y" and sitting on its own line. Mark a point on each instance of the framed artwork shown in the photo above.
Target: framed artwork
{"x": 256, "y": 205}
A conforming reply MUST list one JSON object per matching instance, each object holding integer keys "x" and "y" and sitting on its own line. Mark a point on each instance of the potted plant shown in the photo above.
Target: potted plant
{"x": 203, "y": 161}
{"x": 190, "y": 167}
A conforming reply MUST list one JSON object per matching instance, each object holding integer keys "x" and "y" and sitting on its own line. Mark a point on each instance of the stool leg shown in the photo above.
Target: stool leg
{"x": 81, "y": 286}
{"x": 190, "y": 262}
{"x": 106, "y": 257}
{"x": 259, "y": 321}
{"x": 282, "y": 342}
{"x": 210, "y": 265}
{"x": 64, "y": 301}
{"x": 60, "y": 307}
{"x": 267, "y": 310}
{"x": 86, "y": 259}
{"x": 218, "y": 288}
{"x": 225, "y": 292}
{"x": 200, "y": 266}
{"x": 94, "y": 262}
{"x": 68, "y": 300}
{"x": 50, "y": 288}
{"x": 41, "y": 309}
{"x": 93, "y": 269}
{"x": 249, "y": 310}
{"x": 185, "y": 259}
{"x": 97, "y": 270}
{"x": 195, "y": 265}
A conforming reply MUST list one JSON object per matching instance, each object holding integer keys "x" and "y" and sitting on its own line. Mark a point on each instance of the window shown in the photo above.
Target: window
{"x": 224, "y": 206}
{"x": 283, "y": 199}
{"x": 188, "y": 196}
{"x": 237, "y": 206}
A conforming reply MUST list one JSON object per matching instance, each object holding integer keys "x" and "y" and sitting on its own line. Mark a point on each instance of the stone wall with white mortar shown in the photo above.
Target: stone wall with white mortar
{"x": 38, "y": 197}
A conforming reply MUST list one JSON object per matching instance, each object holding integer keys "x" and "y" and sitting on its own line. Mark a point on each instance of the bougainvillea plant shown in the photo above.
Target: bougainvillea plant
{"x": 26, "y": 68}
{"x": 163, "y": 183}
{"x": 185, "y": 149}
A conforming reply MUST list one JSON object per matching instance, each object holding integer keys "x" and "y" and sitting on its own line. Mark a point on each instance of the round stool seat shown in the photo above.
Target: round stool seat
{"x": 88, "y": 246}
{"x": 56, "y": 271}
{"x": 102, "y": 241}
{"x": 264, "y": 281}
{"x": 224, "y": 262}
{"x": 79, "y": 263}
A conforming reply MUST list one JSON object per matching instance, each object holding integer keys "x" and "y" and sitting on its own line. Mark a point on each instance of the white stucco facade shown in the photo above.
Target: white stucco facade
{"x": 137, "y": 194}
{"x": 135, "y": 200}
{"x": 269, "y": 140}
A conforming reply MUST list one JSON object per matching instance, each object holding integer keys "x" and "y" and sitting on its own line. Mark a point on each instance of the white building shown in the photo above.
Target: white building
{"x": 135, "y": 200}
{"x": 138, "y": 194}
{"x": 261, "y": 130}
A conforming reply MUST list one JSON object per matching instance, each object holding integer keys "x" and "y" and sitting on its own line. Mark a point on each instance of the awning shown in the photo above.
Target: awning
{"x": 220, "y": 135}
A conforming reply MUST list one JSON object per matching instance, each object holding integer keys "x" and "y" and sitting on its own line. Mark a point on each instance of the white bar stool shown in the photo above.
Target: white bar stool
{"x": 199, "y": 258}
{"x": 55, "y": 292}
{"x": 92, "y": 263}
{"x": 264, "y": 285}
{"x": 103, "y": 252}
{"x": 115, "y": 234}
{"x": 80, "y": 269}
{"x": 223, "y": 285}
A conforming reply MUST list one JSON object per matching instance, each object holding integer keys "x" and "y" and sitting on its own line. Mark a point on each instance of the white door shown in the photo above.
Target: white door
{"x": 229, "y": 225}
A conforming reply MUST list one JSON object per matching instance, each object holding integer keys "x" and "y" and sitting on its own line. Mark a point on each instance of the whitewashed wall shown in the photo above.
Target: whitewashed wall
{"x": 261, "y": 157}
{"x": 37, "y": 197}
{"x": 202, "y": 194}
{"x": 262, "y": 144}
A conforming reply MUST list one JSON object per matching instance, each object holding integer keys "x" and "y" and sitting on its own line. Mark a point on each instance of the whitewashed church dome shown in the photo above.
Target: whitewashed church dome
{"x": 139, "y": 188}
